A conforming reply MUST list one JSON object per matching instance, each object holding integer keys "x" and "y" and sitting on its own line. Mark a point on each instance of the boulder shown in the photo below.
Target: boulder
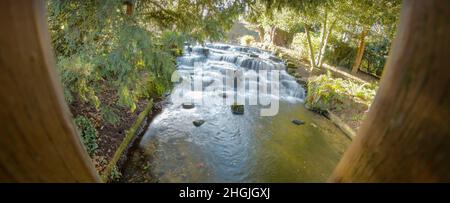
{"x": 223, "y": 95}
{"x": 275, "y": 59}
{"x": 253, "y": 55}
{"x": 237, "y": 109}
{"x": 298, "y": 122}
{"x": 198, "y": 123}
{"x": 290, "y": 65}
{"x": 187, "y": 105}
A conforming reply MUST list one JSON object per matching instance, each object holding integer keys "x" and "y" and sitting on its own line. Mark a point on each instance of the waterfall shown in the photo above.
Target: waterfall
{"x": 218, "y": 59}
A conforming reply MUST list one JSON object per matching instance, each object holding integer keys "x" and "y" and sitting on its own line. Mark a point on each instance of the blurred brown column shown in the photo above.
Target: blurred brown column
{"x": 406, "y": 136}
{"x": 38, "y": 141}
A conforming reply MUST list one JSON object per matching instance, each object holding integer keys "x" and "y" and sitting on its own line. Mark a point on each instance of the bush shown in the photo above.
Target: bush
{"x": 88, "y": 133}
{"x": 109, "y": 114}
{"x": 340, "y": 53}
{"x": 300, "y": 43}
{"x": 77, "y": 76}
{"x": 247, "y": 40}
{"x": 325, "y": 92}
{"x": 343, "y": 54}
{"x": 115, "y": 174}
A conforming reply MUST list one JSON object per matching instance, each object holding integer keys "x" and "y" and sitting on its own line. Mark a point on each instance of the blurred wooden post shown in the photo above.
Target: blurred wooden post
{"x": 406, "y": 136}
{"x": 38, "y": 141}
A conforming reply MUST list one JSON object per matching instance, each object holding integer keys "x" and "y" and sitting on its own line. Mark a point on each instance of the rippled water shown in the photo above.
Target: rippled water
{"x": 229, "y": 147}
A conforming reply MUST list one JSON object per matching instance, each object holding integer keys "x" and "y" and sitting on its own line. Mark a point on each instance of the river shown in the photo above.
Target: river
{"x": 230, "y": 147}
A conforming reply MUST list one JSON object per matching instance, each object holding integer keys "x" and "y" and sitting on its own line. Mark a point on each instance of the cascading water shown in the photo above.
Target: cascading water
{"x": 235, "y": 148}
{"x": 218, "y": 58}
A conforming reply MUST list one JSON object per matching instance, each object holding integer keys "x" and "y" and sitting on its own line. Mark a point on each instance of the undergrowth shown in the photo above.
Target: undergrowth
{"x": 326, "y": 93}
{"x": 88, "y": 133}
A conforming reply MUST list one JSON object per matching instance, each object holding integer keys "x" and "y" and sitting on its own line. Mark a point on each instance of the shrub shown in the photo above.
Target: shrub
{"x": 343, "y": 54}
{"x": 77, "y": 76}
{"x": 325, "y": 92}
{"x": 247, "y": 40}
{"x": 115, "y": 174}
{"x": 88, "y": 133}
{"x": 300, "y": 43}
{"x": 109, "y": 114}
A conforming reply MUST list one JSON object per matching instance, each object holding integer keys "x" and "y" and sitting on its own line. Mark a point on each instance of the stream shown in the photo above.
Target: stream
{"x": 229, "y": 147}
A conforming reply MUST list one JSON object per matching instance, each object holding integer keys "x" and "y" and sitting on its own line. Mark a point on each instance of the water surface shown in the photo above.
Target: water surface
{"x": 230, "y": 147}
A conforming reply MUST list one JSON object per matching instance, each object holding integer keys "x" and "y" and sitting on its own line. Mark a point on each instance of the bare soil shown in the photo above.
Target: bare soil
{"x": 109, "y": 135}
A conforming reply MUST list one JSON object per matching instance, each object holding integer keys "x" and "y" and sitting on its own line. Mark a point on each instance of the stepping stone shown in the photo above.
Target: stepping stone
{"x": 298, "y": 122}
{"x": 187, "y": 105}
{"x": 223, "y": 95}
{"x": 198, "y": 123}
{"x": 237, "y": 109}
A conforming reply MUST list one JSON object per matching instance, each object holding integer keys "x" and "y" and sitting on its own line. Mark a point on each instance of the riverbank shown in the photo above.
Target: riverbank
{"x": 108, "y": 142}
{"x": 294, "y": 145}
{"x": 350, "y": 107}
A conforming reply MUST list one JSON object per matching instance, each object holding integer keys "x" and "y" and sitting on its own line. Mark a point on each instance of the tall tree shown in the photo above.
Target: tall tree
{"x": 364, "y": 15}
{"x": 130, "y": 45}
{"x": 306, "y": 13}
{"x": 401, "y": 141}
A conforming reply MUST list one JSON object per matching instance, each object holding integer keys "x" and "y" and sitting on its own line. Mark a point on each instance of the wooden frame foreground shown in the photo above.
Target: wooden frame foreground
{"x": 38, "y": 141}
{"x": 406, "y": 136}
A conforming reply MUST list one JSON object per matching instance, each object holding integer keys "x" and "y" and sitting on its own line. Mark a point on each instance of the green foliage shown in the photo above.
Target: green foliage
{"x": 78, "y": 75}
{"x": 347, "y": 18}
{"x": 325, "y": 92}
{"x": 100, "y": 46}
{"x": 247, "y": 40}
{"x": 341, "y": 53}
{"x": 109, "y": 114}
{"x": 115, "y": 174}
{"x": 146, "y": 167}
{"x": 88, "y": 133}
{"x": 301, "y": 43}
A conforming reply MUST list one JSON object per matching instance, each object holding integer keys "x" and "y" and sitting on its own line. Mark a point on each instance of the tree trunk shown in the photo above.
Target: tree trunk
{"x": 261, "y": 33}
{"x": 311, "y": 50}
{"x": 323, "y": 34}
{"x": 406, "y": 136}
{"x": 324, "y": 47}
{"x": 129, "y": 6}
{"x": 272, "y": 34}
{"x": 38, "y": 139}
{"x": 361, "y": 47}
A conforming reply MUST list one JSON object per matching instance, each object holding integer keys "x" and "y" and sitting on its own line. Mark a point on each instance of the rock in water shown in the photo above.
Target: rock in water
{"x": 237, "y": 109}
{"x": 223, "y": 95}
{"x": 198, "y": 122}
{"x": 275, "y": 59}
{"x": 291, "y": 65}
{"x": 298, "y": 122}
{"x": 253, "y": 55}
{"x": 187, "y": 105}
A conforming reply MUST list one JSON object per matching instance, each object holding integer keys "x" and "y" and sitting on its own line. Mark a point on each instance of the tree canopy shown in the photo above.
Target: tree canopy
{"x": 129, "y": 46}
{"x": 334, "y": 30}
